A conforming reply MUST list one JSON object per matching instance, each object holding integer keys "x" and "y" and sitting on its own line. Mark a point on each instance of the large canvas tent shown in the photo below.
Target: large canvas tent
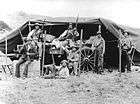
{"x": 110, "y": 32}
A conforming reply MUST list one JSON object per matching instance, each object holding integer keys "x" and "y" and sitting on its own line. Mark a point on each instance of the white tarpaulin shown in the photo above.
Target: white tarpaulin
{"x": 4, "y": 60}
{"x": 6, "y": 64}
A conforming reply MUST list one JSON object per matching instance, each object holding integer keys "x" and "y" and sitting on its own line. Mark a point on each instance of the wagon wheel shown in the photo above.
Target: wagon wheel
{"x": 87, "y": 59}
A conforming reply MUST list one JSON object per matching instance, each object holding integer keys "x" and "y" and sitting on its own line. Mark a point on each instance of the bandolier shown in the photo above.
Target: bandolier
{"x": 36, "y": 33}
{"x": 28, "y": 52}
{"x": 126, "y": 46}
{"x": 98, "y": 45}
{"x": 70, "y": 33}
{"x": 73, "y": 58}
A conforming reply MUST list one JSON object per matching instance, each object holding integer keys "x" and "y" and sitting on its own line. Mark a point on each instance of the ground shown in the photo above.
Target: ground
{"x": 89, "y": 88}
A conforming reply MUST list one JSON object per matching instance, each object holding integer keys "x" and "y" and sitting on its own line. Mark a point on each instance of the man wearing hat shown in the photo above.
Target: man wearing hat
{"x": 63, "y": 70}
{"x": 35, "y": 33}
{"x": 98, "y": 45}
{"x": 28, "y": 51}
{"x": 70, "y": 33}
{"x": 126, "y": 46}
{"x": 73, "y": 58}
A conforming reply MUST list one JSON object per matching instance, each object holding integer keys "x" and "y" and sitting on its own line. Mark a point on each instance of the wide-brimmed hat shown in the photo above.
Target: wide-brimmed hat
{"x": 74, "y": 46}
{"x": 125, "y": 31}
{"x": 64, "y": 61}
{"x": 70, "y": 23}
{"x": 36, "y": 24}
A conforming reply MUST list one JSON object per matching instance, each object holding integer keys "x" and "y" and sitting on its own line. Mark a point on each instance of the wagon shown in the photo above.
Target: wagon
{"x": 55, "y": 55}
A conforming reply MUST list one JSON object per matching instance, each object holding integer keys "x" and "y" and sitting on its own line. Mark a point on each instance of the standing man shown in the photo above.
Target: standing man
{"x": 98, "y": 45}
{"x": 35, "y": 33}
{"x": 126, "y": 46}
{"x": 28, "y": 53}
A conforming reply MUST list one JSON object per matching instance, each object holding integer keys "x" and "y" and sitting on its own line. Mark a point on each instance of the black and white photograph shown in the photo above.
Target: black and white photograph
{"x": 70, "y": 52}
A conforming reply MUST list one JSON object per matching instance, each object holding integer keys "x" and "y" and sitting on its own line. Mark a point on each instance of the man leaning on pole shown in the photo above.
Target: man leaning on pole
{"x": 126, "y": 47}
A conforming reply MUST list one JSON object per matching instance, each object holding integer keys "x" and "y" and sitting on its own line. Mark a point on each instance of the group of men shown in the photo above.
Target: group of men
{"x": 98, "y": 46}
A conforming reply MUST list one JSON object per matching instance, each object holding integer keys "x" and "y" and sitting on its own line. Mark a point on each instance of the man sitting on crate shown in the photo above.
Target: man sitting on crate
{"x": 29, "y": 52}
{"x": 70, "y": 33}
{"x": 36, "y": 33}
{"x": 63, "y": 71}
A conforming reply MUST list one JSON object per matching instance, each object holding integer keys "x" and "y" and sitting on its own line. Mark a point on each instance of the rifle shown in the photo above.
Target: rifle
{"x": 77, "y": 21}
{"x": 129, "y": 57}
{"x": 21, "y": 36}
{"x": 43, "y": 25}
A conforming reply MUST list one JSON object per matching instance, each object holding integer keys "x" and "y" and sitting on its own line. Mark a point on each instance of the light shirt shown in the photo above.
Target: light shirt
{"x": 69, "y": 34}
{"x": 64, "y": 72}
{"x": 97, "y": 43}
{"x": 34, "y": 34}
{"x": 126, "y": 43}
{"x": 73, "y": 56}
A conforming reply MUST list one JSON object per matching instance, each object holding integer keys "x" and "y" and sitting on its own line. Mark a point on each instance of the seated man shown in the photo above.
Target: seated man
{"x": 35, "y": 33}
{"x": 70, "y": 33}
{"x": 75, "y": 34}
{"x": 53, "y": 71}
{"x": 64, "y": 71}
{"x": 28, "y": 53}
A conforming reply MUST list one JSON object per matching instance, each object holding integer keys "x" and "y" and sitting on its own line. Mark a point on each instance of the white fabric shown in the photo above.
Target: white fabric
{"x": 135, "y": 68}
{"x": 97, "y": 41}
{"x": 64, "y": 33}
{"x": 34, "y": 33}
{"x": 57, "y": 43}
{"x": 126, "y": 42}
{"x": 64, "y": 72}
{"x": 4, "y": 60}
{"x": 30, "y": 34}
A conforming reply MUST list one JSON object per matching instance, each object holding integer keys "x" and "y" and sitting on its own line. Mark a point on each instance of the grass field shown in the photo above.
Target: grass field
{"x": 89, "y": 88}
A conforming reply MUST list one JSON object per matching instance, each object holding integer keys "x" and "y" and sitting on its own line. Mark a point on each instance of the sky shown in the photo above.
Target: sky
{"x": 124, "y": 12}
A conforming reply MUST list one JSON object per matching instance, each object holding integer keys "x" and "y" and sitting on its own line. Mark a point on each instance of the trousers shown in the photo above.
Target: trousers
{"x": 25, "y": 71}
{"x": 98, "y": 60}
{"x": 126, "y": 61}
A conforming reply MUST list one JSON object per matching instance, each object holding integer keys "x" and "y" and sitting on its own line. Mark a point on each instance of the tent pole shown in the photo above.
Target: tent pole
{"x": 29, "y": 26}
{"x": 133, "y": 53}
{"x": 6, "y": 51}
{"x": 120, "y": 52}
{"x": 6, "y": 55}
{"x": 81, "y": 38}
{"x": 43, "y": 55}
